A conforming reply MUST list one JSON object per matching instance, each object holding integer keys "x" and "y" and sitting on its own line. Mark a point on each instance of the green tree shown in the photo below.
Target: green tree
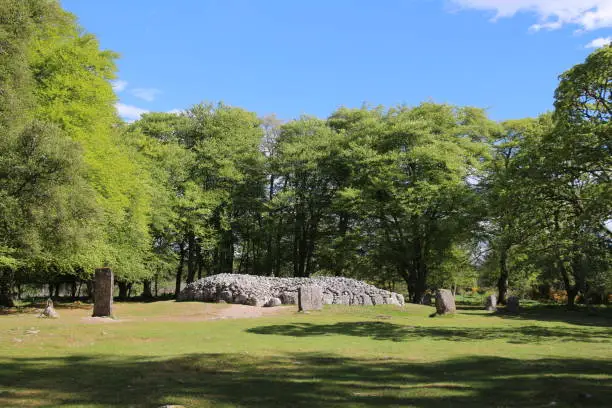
{"x": 72, "y": 90}
{"x": 44, "y": 200}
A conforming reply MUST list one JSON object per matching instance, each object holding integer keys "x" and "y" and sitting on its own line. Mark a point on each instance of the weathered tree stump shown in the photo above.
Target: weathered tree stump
{"x": 103, "y": 293}
{"x": 445, "y": 302}
{"x": 310, "y": 298}
{"x": 491, "y": 303}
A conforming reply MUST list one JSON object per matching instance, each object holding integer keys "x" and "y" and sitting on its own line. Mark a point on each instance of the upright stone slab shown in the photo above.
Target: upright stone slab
{"x": 445, "y": 302}
{"x": 513, "y": 305}
{"x": 103, "y": 293}
{"x": 50, "y": 310}
{"x": 491, "y": 303}
{"x": 310, "y": 298}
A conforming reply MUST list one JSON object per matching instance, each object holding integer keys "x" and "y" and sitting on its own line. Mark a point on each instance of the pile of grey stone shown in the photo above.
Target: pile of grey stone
{"x": 271, "y": 291}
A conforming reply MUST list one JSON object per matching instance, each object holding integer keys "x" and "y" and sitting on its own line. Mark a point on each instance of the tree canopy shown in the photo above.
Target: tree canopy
{"x": 423, "y": 196}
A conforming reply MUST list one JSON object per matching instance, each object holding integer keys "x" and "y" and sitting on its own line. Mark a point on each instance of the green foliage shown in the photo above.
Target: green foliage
{"x": 413, "y": 194}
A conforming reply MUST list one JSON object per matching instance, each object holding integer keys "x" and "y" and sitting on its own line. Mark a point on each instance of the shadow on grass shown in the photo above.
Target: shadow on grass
{"x": 581, "y": 316}
{"x": 303, "y": 380}
{"x": 396, "y": 332}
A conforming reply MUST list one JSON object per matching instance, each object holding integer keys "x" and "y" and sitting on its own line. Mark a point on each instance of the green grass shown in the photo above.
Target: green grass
{"x": 164, "y": 353}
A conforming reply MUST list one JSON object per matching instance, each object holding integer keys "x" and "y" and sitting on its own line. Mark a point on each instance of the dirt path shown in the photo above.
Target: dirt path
{"x": 193, "y": 313}
{"x": 242, "y": 311}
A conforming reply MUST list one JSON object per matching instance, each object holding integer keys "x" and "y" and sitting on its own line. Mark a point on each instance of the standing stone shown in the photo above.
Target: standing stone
{"x": 103, "y": 293}
{"x": 445, "y": 302}
{"x": 427, "y": 301}
{"x": 491, "y": 303}
{"x": 273, "y": 302}
{"x": 512, "y": 304}
{"x": 310, "y": 298}
{"x": 50, "y": 310}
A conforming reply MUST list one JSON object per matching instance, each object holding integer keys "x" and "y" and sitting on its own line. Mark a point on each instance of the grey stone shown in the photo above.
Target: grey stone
{"x": 273, "y": 302}
{"x": 366, "y": 300}
{"x": 310, "y": 297}
{"x": 377, "y": 299}
{"x": 226, "y": 296}
{"x": 491, "y": 303}
{"x": 249, "y": 289}
{"x": 289, "y": 298}
{"x": 254, "y": 301}
{"x": 103, "y": 293}
{"x": 513, "y": 304}
{"x": 240, "y": 299}
{"x": 391, "y": 301}
{"x": 50, "y": 310}
{"x": 445, "y": 302}
{"x": 427, "y": 299}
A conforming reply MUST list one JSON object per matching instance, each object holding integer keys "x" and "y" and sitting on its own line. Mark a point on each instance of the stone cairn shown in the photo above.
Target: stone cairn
{"x": 445, "y": 302}
{"x": 269, "y": 291}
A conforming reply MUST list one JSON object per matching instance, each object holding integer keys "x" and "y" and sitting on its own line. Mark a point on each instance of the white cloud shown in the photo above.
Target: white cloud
{"x": 128, "y": 112}
{"x": 119, "y": 85}
{"x": 146, "y": 94}
{"x": 588, "y": 15}
{"x": 176, "y": 111}
{"x": 599, "y": 42}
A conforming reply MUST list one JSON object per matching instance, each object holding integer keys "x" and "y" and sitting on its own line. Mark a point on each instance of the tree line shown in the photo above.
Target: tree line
{"x": 432, "y": 195}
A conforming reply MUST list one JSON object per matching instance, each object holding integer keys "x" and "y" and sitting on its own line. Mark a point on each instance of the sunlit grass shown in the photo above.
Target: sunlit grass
{"x": 165, "y": 352}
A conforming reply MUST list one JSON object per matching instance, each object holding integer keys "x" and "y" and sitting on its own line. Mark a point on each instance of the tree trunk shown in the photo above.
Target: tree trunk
{"x": 200, "y": 262}
{"x": 179, "y": 272}
{"x": 6, "y": 287}
{"x": 571, "y": 297}
{"x": 418, "y": 274}
{"x": 502, "y": 282}
{"x": 73, "y": 290}
{"x": 123, "y": 290}
{"x": 191, "y": 258}
{"x": 90, "y": 289}
{"x": 146, "y": 289}
{"x": 418, "y": 290}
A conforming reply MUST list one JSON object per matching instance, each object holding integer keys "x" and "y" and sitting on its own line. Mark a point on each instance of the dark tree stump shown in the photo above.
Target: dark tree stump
{"x": 103, "y": 293}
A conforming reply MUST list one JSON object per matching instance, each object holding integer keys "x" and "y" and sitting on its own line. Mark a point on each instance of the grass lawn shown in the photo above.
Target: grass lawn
{"x": 167, "y": 353}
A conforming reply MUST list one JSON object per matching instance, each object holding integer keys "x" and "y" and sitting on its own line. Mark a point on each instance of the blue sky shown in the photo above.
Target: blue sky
{"x": 312, "y": 56}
